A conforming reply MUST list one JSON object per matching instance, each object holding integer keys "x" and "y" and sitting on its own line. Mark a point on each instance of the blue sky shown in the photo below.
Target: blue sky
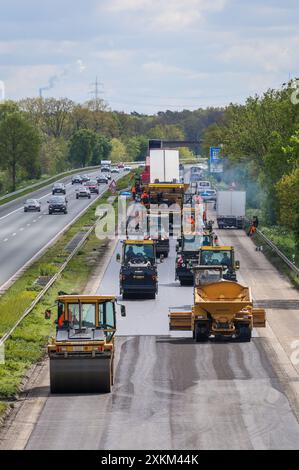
{"x": 150, "y": 55}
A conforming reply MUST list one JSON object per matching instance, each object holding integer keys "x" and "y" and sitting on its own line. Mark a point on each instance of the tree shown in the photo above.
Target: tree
{"x": 82, "y": 147}
{"x": 19, "y": 148}
{"x": 137, "y": 148}
{"x": 169, "y": 132}
{"x": 118, "y": 151}
{"x": 101, "y": 150}
{"x": 288, "y": 195}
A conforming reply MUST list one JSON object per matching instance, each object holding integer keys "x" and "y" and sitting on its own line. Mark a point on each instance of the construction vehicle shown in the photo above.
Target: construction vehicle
{"x": 82, "y": 352}
{"x": 158, "y": 231}
{"x": 220, "y": 256}
{"x": 188, "y": 250}
{"x": 138, "y": 274}
{"x": 221, "y": 309}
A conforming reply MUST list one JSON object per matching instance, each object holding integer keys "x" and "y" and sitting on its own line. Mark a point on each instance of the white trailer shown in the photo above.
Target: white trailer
{"x": 164, "y": 166}
{"x": 230, "y": 208}
{"x": 106, "y": 163}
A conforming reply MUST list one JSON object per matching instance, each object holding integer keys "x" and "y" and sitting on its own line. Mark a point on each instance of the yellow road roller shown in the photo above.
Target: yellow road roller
{"x": 82, "y": 352}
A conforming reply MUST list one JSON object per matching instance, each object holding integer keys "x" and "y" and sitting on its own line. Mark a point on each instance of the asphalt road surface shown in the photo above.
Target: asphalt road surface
{"x": 171, "y": 393}
{"x": 22, "y": 235}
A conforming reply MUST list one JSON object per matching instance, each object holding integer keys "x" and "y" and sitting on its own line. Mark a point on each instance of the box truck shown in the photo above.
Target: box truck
{"x": 230, "y": 208}
{"x": 164, "y": 166}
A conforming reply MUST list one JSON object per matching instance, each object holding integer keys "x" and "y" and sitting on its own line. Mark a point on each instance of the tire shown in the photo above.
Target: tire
{"x": 89, "y": 197}
{"x": 77, "y": 197}
{"x": 201, "y": 334}
{"x": 39, "y": 209}
{"x": 152, "y": 296}
{"x": 25, "y": 210}
{"x": 50, "y": 213}
{"x": 244, "y": 334}
{"x": 65, "y": 212}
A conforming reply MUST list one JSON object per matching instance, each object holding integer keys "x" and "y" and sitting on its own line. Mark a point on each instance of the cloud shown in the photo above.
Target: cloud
{"x": 166, "y": 15}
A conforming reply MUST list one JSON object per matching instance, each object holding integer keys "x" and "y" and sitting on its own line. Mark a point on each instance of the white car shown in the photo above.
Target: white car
{"x": 127, "y": 168}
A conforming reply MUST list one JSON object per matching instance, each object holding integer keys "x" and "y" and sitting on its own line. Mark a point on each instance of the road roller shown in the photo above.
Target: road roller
{"x": 82, "y": 352}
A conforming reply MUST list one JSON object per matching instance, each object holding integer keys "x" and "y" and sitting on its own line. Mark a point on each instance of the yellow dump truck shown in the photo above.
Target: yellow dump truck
{"x": 82, "y": 352}
{"x": 221, "y": 309}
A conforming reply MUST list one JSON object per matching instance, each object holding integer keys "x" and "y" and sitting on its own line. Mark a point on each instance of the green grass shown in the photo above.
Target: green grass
{"x": 28, "y": 343}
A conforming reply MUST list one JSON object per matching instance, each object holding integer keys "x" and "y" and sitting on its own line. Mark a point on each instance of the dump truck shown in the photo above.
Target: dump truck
{"x": 221, "y": 309}
{"x": 220, "y": 256}
{"x": 188, "y": 249}
{"x": 138, "y": 274}
{"x": 81, "y": 353}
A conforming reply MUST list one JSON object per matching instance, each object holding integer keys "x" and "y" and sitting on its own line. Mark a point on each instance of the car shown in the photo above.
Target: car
{"x": 32, "y": 205}
{"x": 120, "y": 166}
{"x": 102, "y": 179}
{"x": 108, "y": 175}
{"x": 105, "y": 169}
{"x": 208, "y": 195}
{"x": 77, "y": 179}
{"x": 83, "y": 192}
{"x": 114, "y": 170}
{"x": 58, "y": 188}
{"x": 127, "y": 168}
{"x": 57, "y": 204}
{"x": 85, "y": 178}
{"x": 93, "y": 186}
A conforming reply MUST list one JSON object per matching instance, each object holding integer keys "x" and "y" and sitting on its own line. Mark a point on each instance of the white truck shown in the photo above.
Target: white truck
{"x": 106, "y": 163}
{"x": 164, "y": 166}
{"x": 230, "y": 209}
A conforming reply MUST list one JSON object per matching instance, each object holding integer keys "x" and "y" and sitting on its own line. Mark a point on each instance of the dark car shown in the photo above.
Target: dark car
{"x": 32, "y": 205}
{"x": 93, "y": 186}
{"x": 77, "y": 179}
{"x": 102, "y": 179}
{"x": 57, "y": 204}
{"x": 58, "y": 188}
{"x": 83, "y": 192}
{"x": 114, "y": 170}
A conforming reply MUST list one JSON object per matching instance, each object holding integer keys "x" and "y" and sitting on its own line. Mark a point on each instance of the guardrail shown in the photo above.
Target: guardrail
{"x": 279, "y": 253}
{"x": 290, "y": 264}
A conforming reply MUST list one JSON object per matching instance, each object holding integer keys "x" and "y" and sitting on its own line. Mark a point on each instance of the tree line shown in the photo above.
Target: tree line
{"x": 47, "y": 136}
{"x": 260, "y": 141}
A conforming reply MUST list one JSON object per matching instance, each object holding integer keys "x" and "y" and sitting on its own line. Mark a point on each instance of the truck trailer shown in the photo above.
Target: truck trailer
{"x": 230, "y": 209}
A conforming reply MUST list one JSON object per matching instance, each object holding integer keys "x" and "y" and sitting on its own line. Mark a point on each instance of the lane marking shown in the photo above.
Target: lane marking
{"x": 14, "y": 234}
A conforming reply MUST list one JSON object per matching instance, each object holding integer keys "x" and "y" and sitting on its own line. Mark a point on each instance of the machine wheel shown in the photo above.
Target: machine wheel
{"x": 201, "y": 333}
{"x": 81, "y": 376}
{"x": 152, "y": 296}
{"x": 244, "y": 333}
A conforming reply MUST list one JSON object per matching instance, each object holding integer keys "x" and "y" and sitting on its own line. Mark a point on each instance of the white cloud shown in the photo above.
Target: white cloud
{"x": 114, "y": 57}
{"x": 166, "y": 15}
{"x": 159, "y": 69}
{"x": 274, "y": 56}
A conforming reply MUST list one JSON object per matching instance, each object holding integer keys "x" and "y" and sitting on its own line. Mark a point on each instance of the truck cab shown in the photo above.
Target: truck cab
{"x": 188, "y": 256}
{"x": 220, "y": 256}
{"x": 138, "y": 274}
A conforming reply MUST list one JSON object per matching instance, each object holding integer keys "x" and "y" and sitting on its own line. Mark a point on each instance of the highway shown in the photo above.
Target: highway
{"x": 171, "y": 393}
{"x": 23, "y": 235}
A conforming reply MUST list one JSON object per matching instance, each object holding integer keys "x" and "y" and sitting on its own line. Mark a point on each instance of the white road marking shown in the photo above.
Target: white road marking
{"x": 14, "y": 234}
{"x": 5, "y": 240}
{"x": 21, "y": 229}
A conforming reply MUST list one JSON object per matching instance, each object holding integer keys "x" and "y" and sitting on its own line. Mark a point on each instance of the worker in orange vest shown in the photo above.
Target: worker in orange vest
{"x": 134, "y": 192}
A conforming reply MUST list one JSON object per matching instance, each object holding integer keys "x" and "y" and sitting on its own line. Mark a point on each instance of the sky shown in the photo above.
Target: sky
{"x": 148, "y": 55}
